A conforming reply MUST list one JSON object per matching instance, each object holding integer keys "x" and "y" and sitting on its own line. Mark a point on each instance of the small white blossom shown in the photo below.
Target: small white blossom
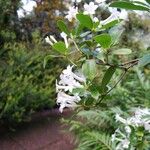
{"x": 128, "y": 130}
{"x": 147, "y": 126}
{"x": 73, "y": 11}
{"x": 113, "y": 137}
{"x": 122, "y": 14}
{"x": 68, "y": 81}
{"x": 50, "y": 40}
{"x": 47, "y": 39}
{"x": 64, "y": 36}
{"x": 63, "y": 87}
{"x": 111, "y": 18}
{"x": 53, "y": 39}
{"x": 115, "y": 15}
{"x": 118, "y": 118}
{"x": 95, "y": 19}
{"x": 78, "y": 1}
{"x": 65, "y": 100}
{"x": 100, "y": 1}
{"x": 124, "y": 144}
{"x": 89, "y": 9}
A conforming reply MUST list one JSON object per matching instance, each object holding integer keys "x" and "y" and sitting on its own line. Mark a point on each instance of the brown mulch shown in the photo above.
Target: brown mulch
{"x": 44, "y": 132}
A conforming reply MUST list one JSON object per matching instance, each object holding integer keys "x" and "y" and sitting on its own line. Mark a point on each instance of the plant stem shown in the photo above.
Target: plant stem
{"x": 120, "y": 79}
{"x": 75, "y": 44}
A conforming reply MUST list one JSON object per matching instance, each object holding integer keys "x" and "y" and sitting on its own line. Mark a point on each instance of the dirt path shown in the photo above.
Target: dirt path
{"x": 43, "y": 133}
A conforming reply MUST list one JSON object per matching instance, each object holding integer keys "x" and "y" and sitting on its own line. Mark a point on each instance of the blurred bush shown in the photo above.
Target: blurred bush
{"x": 25, "y": 85}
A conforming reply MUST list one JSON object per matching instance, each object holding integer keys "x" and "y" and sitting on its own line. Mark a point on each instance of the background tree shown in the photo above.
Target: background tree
{"x": 47, "y": 13}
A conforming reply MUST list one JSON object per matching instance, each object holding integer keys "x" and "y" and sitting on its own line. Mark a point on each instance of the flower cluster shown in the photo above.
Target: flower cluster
{"x": 51, "y": 39}
{"x": 138, "y": 120}
{"x": 90, "y": 9}
{"x": 68, "y": 82}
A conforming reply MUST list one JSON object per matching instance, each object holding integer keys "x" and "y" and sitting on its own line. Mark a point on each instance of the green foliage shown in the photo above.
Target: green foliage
{"x": 104, "y": 40}
{"x": 108, "y": 75}
{"x": 96, "y": 141}
{"x": 145, "y": 60}
{"x": 98, "y": 54}
{"x": 25, "y": 86}
{"x": 130, "y": 5}
{"x": 60, "y": 47}
{"x": 122, "y": 51}
{"x": 85, "y": 20}
{"x": 91, "y": 131}
{"x": 89, "y": 69}
{"x": 62, "y": 26}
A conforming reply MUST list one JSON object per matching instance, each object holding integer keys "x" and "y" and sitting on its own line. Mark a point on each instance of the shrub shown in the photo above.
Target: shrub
{"x": 25, "y": 85}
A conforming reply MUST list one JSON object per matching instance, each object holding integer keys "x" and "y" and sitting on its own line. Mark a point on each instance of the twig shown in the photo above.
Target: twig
{"x": 122, "y": 76}
{"x": 76, "y": 46}
{"x": 129, "y": 62}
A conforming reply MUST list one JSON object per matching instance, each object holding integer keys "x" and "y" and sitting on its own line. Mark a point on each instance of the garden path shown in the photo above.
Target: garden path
{"x": 44, "y": 132}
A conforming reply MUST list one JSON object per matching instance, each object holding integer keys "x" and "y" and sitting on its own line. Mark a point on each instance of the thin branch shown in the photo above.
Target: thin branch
{"x": 111, "y": 65}
{"x": 121, "y": 78}
{"x": 76, "y": 46}
{"x": 129, "y": 62}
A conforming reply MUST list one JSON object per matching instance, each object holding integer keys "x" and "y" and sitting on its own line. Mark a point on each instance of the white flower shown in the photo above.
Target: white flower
{"x": 118, "y": 118}
{"x": 50, "y": 40}
{"x": 69, "y": 72}
{"x": 122, "y": 14}
{"x": 47, "y": 39}
{"x": 100, "y": 1}
{"x": 113, "y": 137}
{"x": 65, "y": 100}
{"x": 63, "y": 87}
{"x": 64, "y": 36}
{"x": 124, "y": 144}
{"x": 115, "y": 15}
{"x": 147, "y": 126}
{"x": 90, "y": 8}
{"x": 68, "y": 81}
{"x": 78, "y": 1}
{"x": 128, "y": 130}
{"x": 111, "y": 18}
{"x": 53, "y": 39}
{"x": 122, "y": 139}
{"x": 141, "y": 112}
{"x": 95, "y": 19}
{"x": 73, "y": 11}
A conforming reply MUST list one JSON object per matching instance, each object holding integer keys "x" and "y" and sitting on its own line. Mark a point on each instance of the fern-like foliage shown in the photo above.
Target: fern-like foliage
{"x": 94, "y": 127}
{"x": 96, "y": 141}
{"x": 96, "y": 118}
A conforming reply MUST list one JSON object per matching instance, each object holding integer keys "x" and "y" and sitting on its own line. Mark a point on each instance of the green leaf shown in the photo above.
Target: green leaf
{"x": 104, "y": 40}
{"x": 144, "y": 60}
{"x": 148, "y": 1}
{"x": 85, "y": 20}
{"x": 79, "y": 91}
{"x": 94, "y": 92}
{"x": 107, "y": 76}
{"x": 116, "y": 33}
{"x": 79, "y": 29}
{"x": 62, "y": 26}
{"x": 89, "y": 69}
{"x": 89, "y": 101}
{"x": 60, "y": 47}
{"x": 122, "y": 51}
{"x": 111, "y": 24}
{"x": 128, "y": 5}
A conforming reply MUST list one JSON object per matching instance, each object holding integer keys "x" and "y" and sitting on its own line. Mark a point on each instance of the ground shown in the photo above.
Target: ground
{"x": 44, "y": 132}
